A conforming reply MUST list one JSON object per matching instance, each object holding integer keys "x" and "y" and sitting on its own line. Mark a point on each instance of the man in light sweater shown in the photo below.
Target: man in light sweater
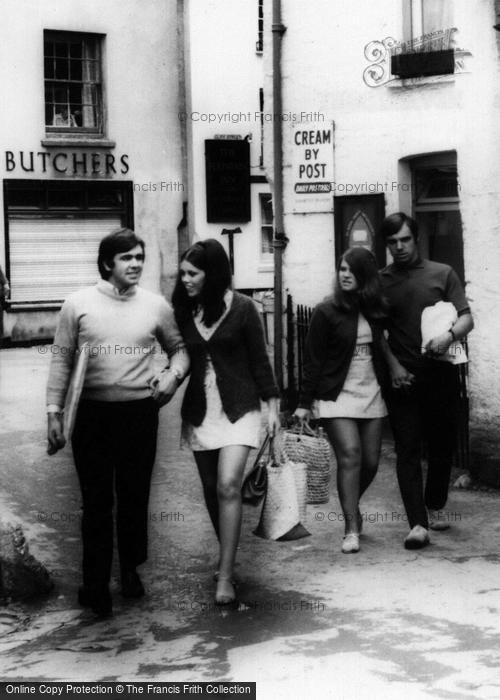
{"x": 114, "y": 437}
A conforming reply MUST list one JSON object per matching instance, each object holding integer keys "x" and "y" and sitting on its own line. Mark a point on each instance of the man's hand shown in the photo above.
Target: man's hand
{"x": 439, "y": 345}
{"x": 55, "y": 433}
{"x": 401, "y": 378}
{"x": 164, "y": 386}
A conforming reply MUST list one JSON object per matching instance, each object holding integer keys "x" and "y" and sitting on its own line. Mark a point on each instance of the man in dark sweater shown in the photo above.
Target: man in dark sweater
{"x": 423, "y": 400}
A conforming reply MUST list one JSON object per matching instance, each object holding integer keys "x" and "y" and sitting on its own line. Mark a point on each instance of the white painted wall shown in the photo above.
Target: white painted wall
{"x": 140, "y": 63}
{"x": 224, "y": 77}
{"x": 323, "y": 64}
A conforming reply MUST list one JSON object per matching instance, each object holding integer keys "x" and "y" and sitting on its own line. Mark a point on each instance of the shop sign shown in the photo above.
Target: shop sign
{"x": 65, "y": 163}
{"x": 227, "y": 169}
{"x": 312, "y": 167}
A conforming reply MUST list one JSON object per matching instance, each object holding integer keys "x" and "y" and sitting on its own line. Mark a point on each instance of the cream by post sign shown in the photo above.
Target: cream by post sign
{"x": 312, "y": 167}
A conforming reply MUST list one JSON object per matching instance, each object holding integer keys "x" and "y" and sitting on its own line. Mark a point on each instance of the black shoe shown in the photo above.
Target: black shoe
{"x": 97, "y": 598}
{"x": 131, "y": 584}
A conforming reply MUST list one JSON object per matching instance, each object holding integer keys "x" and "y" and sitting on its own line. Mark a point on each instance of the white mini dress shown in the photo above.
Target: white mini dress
{"x": 360, "y": 397}
{"x": 216, "y": 430}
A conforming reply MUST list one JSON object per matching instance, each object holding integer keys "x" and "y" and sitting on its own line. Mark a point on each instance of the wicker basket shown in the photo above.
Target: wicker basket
{"x": 314, "y": 449}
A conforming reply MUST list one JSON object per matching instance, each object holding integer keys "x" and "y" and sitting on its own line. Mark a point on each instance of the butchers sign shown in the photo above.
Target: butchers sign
{"x": 312, "y": 167}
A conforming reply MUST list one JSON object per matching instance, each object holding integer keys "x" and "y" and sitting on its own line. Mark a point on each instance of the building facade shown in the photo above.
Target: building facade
{"x": 91, "y": 141}
{"x": 224, "y": 118}
{"x": 395, "y": 107}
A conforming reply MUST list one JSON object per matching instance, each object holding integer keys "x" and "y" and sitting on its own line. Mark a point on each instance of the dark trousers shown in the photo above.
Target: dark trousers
{"x": 425, "y": 416}
{"x": 114, "y": 447}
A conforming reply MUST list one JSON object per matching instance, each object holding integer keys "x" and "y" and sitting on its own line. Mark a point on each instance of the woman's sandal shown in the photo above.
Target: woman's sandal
{"x": 227, "y": 596}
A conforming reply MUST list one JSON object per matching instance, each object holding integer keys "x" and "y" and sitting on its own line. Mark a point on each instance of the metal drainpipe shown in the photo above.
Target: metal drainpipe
{"x": 279, "y": 238}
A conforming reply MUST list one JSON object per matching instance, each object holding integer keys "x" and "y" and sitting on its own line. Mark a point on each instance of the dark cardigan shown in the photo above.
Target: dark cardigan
{"x": 240, "y": 361}
{"x": 330, "y": 345}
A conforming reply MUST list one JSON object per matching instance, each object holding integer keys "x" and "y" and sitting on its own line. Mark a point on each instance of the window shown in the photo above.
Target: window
{"x": 266, "y": 225}
{"x": 73, "y": 86}
{"x": 426, "y": 23}
{"x": 427, "y": 48}
{"x": 261, "y": 109}
{"x": 259, "y": 45}
{"x": 53, "y": 230}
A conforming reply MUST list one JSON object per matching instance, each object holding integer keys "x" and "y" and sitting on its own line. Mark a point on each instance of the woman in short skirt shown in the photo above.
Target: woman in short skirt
{"x": 230, "y": 374}
{"x": 344, "y": 370}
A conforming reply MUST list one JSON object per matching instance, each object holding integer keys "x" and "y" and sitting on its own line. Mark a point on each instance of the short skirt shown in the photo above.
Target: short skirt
{"x": 360, "y": 396}
{"x": 216, "y": 430}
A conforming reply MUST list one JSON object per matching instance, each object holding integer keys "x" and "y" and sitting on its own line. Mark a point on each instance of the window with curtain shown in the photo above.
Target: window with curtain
{"x": 427, "y": 24}
{"x": 73, "y": 85}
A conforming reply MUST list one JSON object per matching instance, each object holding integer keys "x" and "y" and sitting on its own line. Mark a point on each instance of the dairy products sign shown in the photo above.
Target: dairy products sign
{"x": 312, "y": 167}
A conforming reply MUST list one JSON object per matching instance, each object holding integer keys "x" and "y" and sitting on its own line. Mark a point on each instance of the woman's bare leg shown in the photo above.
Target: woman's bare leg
{"x": 232, "y": 460}
{"x": 371, "y": 440}
{"x": 345, "y": 438}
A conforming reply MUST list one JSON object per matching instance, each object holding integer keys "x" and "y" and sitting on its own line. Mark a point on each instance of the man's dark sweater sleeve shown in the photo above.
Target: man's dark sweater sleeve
{"x": 260, "y": 365}
{"x": 455, "y": 293}
{"x": 315, "y": 354}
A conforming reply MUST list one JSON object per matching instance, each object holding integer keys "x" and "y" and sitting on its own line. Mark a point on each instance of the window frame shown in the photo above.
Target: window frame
{"x": 96, "y": 85}
{"x": 425, "y": 51}
{"x": 265, "y": 255}
{"x": 259, "y": 44}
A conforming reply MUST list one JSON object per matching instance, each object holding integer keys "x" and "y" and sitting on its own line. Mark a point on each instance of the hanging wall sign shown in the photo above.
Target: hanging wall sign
{"x": 312, "y": 167}
{"x": 227, "y": 165}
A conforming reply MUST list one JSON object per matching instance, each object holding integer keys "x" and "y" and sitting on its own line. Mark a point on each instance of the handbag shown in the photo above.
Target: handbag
{"x": 284, "y": 508}
{"x": 254, "y": 485}
{"x": 303, "y": 444}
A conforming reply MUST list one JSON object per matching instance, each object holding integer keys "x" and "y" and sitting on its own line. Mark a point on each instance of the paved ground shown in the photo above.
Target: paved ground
{"x": 385, "y": 623}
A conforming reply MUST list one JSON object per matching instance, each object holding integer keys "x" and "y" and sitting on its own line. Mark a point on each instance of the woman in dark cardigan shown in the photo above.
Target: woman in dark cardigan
{"x": 343, "y": 373}
{"x": 230, "y": 374}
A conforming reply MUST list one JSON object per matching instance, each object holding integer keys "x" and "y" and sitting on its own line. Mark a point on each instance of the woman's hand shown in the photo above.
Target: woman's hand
{"x": 273, "y": 417}
{"x": 303, "y": 415}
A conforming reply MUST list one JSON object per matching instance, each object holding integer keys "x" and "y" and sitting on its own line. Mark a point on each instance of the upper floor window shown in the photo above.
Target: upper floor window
{"x": 427, "y": 48}
{"x": 73, "y": 84}
{"x": 259, "y": 44}
{"x": 427, "y": 24}
{"x": 266, "y": 226}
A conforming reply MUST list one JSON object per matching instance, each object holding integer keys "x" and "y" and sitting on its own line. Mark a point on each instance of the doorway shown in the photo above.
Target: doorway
{"x": 436, "y": 207}
{"x": 357, "y": 219}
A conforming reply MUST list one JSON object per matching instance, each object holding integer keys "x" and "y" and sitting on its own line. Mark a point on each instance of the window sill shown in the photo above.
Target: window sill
{"x": 398, "y": 83}
{"x": 77, "y": 140}
{"x": 13, "y": 306}
{"x": 266, "y": 266}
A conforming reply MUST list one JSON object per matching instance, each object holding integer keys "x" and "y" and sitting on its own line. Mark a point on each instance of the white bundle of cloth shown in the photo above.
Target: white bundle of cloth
{"x": 436, "y": 320}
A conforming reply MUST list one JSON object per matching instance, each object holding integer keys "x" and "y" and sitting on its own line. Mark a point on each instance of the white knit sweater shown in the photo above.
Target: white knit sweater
{"x": 120, "y": 330}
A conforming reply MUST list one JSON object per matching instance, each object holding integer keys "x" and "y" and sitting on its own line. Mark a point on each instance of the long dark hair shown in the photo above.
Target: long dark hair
{"x": 368, "y": 296}
{"x": 209, "y": 256}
